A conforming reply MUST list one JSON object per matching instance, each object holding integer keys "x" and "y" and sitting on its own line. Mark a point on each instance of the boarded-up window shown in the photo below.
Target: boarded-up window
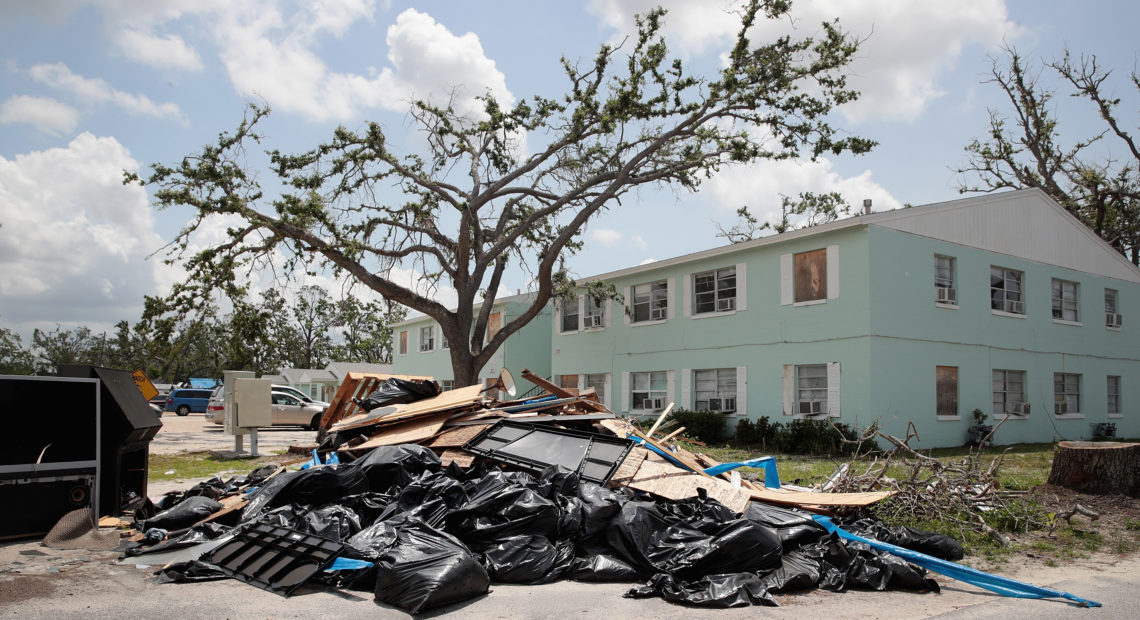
{"x": 568, "y": 382}
{"x": 811, "y": 275}
{"x": 494, "y": 324}
{"x": 946, "y": 378}
{"x": 403, "y": 343}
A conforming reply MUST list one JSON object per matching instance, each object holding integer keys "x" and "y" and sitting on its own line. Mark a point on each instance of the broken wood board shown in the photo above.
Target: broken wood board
{"x": 620, "y": 427}
{"x": 559, "y": 391}
{"x": 459, "y": 457}
{"x": 411, "y": 431}
{"x": 678, "y": 454}
{"x": 628, "y": 468}
{"x": 230, "y": 504}
{"x": 447, "y": 401}
{"x": 357, "y": 385}
{"x": 456, "y": 437}
{"x": 670, "y": 482}
{"x": 808, "y": 500}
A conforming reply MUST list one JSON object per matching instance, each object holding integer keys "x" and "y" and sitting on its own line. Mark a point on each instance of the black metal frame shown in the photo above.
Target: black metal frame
{"x": 273, "y": 558}
{"x": 601, "y": 454}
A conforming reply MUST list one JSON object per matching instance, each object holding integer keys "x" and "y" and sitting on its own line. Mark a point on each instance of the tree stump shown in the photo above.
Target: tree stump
{"x": 1097, "y": 467}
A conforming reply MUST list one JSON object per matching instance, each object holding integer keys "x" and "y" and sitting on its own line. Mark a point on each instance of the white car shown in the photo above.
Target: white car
{"x": 288, "y": 409}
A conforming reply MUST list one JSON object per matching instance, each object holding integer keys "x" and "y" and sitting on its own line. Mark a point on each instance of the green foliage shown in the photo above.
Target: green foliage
{"x": 706, "y": 426}
{"x": 816, "y": 437}
{"x": 14, "y": 358}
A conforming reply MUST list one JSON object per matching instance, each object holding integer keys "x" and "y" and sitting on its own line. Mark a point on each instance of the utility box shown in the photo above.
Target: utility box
{"x": 252, "y": 403}
{"x": 229, "y": 422}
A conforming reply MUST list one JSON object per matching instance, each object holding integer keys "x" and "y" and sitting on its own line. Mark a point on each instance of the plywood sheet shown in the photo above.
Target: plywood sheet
{"x": 459, "y": 457}
{"x": 356, "y": 385}
{"x": 447, "y": 401}
{"x": 670, "y": 482}
{"x": 407, "y": 432}
{"x": 628, "y": 468}
{"x": 457, "y": 436}
{"x": 807, "y": 499}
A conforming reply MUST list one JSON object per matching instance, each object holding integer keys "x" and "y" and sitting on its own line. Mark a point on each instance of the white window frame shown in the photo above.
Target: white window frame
{"x": 1113, "y": 319}
{"x": 427, "y": 343}
{"x": 598, "y": 381}
{"x": 1003, "y": 300}
{"x": 648, "y": 394}
{"x": 402, "y": 342}
{"x": 563, "y": 314}
{"x": 594, "y": 316}
{"x": 1067, "y": 395}
{"x": 655, "y": 301}
{"x": 724, "y": 390}
{"x": 1066, "y": 296}
{"x": 1003, "y": 404}
{"x": 1112, "y": 396}
{"x": 945, "y": 279}
{"x": 447, "y": 384}
{"x": 722, "y": 301}
{"x": 804, "y": 374}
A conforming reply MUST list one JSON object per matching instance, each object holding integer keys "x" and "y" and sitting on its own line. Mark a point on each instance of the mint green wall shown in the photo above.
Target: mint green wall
{"x": 913, "y": 335}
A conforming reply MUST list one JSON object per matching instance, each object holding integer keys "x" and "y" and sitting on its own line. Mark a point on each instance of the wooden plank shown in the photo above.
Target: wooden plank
{"x": 456, "y": 437}
{"x": 666, "y": 438}
{"x": 459, "y": 457}
{"x": 681, "y": 455}
{"x": 808, "y": 500}
{"x": 671, "y": 482}
{"x": 411, "y": 431}
{"x": 350, "y": 387}
{"x": 661, "y": 419}
{"x": 628, "y": 468}
{"x": 447, "y": 401}
{"x": 230, "y": 505}
{"x": 558, "y": 391}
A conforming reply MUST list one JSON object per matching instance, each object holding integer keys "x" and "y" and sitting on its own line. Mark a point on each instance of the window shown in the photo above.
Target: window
{"x": 1066, "y": 393}
{"x": 649, "y": 390}
{"x": 715, "y": 390}
{"x": 1113, "y": 404}
{"x": 570, "y": 315}
{"x": 945, "y": 289}
{"x": 715, "y": 290}
{"x": 1112, "y": 317}
{"x": 447, "y": 385}
{"x": 1065, "y": 300}
{"x": 650, "y": 301}
{"x": 427, "y": 338}
{"x": 946, "y": 390}
{"x": 403, "y": 343}
{"x": 1009, "y": 392}
{"x": 595, "y": 313}
{"x": 1005, "y": 290}
{"x": 598, "y": 382}
{"x": 811, "y": 389}
{"x": 443, "y": 343}
{"x": 811, "y": 275}
{"x": 568, "y": 382}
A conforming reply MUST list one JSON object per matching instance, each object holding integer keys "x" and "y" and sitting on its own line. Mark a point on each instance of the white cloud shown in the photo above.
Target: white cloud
{"x": 648, "y": 261}
{"x": 606, "y": 236}
{"x": 170, "y": 51}
{"x": 73, "y": 238}
{"x": 97, "y": 91}
{"x": 640, "y": 242}
{"x": 907, "y": 46}
{"x": 44, "y": 113}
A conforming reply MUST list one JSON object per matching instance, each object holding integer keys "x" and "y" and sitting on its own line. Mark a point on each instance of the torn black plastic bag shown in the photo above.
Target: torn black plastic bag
{"x": 528, "y": 559}
{"x": 428, "y": 498}
{"x": 183, "y": 514}
{"x": 390, "y": 468}
{"x": 797, "y": 571}
{"x": 940, "y": 546}
{"x": 428, "y": 568}
{"x": 847, "y": 564}
{"x": 198, "y": 534}
{"x": 720, "y": 591}
{"x": 396, "y": 391}
{"x": 602, "y": 568}
{"x": 332, "y": 521}
{"x": 499, "y": 508}
{"x": 656, "y": 537}
{"x": 192, "y": 571}
{"x": 795, "y": 528}
{"x": 315, "y": 486}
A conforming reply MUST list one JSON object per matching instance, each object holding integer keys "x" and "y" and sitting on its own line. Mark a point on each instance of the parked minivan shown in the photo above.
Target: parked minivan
{"x": 183, "y": 401}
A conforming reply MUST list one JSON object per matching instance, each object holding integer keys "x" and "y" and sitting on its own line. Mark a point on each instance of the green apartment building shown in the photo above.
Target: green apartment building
{"x": 1003, "y": 303}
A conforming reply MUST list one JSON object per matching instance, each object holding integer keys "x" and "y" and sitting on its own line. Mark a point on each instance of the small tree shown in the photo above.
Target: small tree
{"x": 810, "y": 209}
{"x": 473, "y": 203}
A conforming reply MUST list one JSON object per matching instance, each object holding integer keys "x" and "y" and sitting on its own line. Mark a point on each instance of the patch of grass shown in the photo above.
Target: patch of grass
{"x": 1132, "y": 525}
{"x": 187, "y": 465}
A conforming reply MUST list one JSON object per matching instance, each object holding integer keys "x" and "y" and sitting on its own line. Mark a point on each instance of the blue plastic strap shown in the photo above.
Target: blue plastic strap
{"x": 994, "y": 583}
{"x": 771, "y": 476}
{"x": 342, "y": 563}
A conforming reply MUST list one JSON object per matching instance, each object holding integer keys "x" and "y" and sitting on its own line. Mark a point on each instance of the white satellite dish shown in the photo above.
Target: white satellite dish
{"x": 505, "y": 382}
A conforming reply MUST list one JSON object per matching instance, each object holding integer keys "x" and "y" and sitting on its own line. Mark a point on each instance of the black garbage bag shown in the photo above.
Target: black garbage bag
{"x": 497, "y": 509}
{"x": 373, "y": 541}
{"x": 938, "y": 545}
{"x": 396, "y": 391}
{"x": 847, "y": 564}
{"x": 599, "y": 505}
{"x": 315, "y": 486}
{"x": 332, "y": 521}
{"x": 183, "y": 514}
{"x": 528, "y": 559}
{"x": 719, "y": 591}
{"x": 602, "y": 568}
{"x": 196, "y": 535}
{"x": 656, "y": 538}
{"x": 428, "y": 498}
{"x": 192, "y": 571}
{"x": 428, "y": 568}
{"x": 257, "y": 476}
{"x": 797, "y": 571}
{"x": 795, "y": 528}
{"x": 396, "y": 466}
{"x": 368, "y": 506}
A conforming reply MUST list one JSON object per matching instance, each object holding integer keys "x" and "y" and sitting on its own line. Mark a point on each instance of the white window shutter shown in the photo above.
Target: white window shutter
{"x": 556, "y": 380}
{"x": 742, "y": 390}
{"x": 609, "y": 392}
{"x": 672, "y": 389}
{"x": 671, "y": 297}
{"x": 741, "y": 286}
{"x": 833, "y": 389}
{"x": 581, "y": 311}
{"x": 608, "y": 313}
{"x": 789, "y": 389}
{"x": 787, "y": 294}
{"x": 687, "y": 296}
{"x": 628, "y": 304}
{"x": 625, "y": 394}
{"x": 686, "y": 388}
{"x": 832, "y": 272}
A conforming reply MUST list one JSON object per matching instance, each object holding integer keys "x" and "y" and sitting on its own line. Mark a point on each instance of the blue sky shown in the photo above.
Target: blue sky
{"x": 92, "y": 88}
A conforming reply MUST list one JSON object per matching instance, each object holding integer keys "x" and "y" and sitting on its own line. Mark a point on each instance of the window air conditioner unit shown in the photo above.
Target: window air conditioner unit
{"x": 811, "y": 407}
{"x": 1060, "y": 408}
{"x": 730, "y": 404}
{"x": 657, "y": 314}
{"x": 594, "y": 321}
{"x": 656, "y": 403}
{"x": 1015, "y": 307}
{"x": 1017, "y": 408}
{"x": 715, "y": 404}
{"x": 945, "y": 295}
{"x": 726, "y": 305}
{"x": 1113, "y": 319}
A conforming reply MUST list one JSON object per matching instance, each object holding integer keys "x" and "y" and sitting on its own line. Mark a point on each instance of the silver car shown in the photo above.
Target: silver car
{"x": 288, "y": 410}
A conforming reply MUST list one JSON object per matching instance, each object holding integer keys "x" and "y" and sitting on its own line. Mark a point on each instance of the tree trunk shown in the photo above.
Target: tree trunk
{"x": 1097, "y": 467}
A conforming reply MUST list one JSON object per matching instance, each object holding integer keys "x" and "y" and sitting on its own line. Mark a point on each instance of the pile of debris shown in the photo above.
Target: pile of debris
{"x": 426, "y": 498}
